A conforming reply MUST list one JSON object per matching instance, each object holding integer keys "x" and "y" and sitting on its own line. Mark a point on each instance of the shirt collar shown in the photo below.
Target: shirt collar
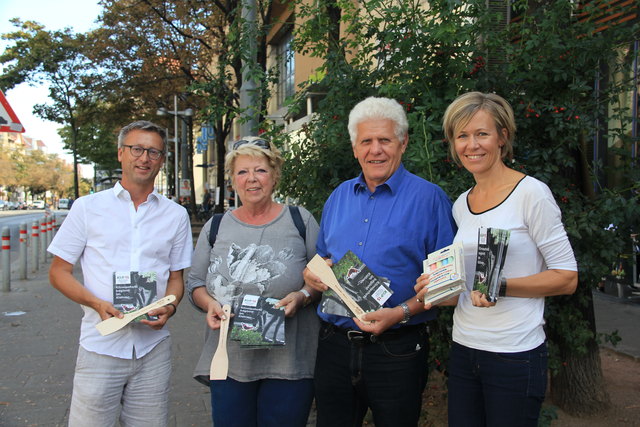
{"x": 121, "y": 192}
{"x": 393, "y": 183}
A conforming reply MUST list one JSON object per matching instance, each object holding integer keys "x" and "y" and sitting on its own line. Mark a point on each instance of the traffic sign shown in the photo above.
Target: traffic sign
{"x": 8, "y": 120}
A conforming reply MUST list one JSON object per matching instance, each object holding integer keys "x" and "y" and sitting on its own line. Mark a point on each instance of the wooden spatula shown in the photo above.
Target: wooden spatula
{"x": 220, "y": 361}
{"x": 319, "y": 267}
{"x": 113, "y": 324}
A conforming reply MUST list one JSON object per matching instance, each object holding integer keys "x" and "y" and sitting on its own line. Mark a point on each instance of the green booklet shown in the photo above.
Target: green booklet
{"x": 492, "y": 252}
{"x": 133, "y": 290}
{"x": 256, "y": 323}
{"x": 369, "y": 291}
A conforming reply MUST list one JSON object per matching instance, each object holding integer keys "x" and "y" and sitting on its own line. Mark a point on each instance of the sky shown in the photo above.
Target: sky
{"x": 80, "y": 15}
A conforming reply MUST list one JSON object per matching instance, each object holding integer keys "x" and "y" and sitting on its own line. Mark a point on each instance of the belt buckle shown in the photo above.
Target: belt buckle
{"x": 355, "y": 336}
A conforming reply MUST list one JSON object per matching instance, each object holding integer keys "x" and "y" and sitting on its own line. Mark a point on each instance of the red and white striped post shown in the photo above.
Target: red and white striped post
{"x": 43, "y": 240}
{"x": 49, "y": 232}
{"x": 23, "y": 251}
{"x": 6, "y": 259}
{"x": 35, "y": 246}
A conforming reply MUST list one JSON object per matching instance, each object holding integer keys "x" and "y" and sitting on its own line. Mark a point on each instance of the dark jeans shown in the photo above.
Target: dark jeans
{"x": 262, "y": 403}
{"x": 496, "y": 389}
{"x": 388, "y": 376}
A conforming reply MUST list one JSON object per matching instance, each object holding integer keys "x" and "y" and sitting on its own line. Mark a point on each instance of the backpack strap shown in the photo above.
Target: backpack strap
{"x": 297, "y": 220}
{"x": 215, "y": 225}
{"x": 293, "y": 210}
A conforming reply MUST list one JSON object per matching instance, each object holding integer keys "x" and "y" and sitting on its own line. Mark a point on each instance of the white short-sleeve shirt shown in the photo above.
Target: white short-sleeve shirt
{"x": 107, "y": 234}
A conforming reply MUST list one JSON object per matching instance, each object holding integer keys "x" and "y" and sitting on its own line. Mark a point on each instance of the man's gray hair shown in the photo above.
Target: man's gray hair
{"x": 374, "y": 108}
{"x": 145, "y": 126}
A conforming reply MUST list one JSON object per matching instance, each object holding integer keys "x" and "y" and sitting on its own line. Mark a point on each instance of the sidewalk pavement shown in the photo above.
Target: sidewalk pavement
{"x": 39, "y": 331}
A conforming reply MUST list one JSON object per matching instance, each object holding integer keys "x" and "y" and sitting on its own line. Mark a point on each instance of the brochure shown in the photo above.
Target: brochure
{"x": 446, "y": 273}
{"x": 368, "y": 291}
{"x": 257, "y": 324}
{"x": 133, "y": 290}
{"x": 492, "y": 252}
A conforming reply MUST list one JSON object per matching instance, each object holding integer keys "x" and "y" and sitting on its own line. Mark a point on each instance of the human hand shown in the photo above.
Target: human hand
{"x": 106, "y": 310}
{"x": 293, "y": 302}
{"x": 379, "y": 320}
{"x": 421, "y": 288}
{"x": 162, "y": 313}
{"x": 313, "y": 280}
{"x": 478, "y": 299}
{"x": 215, "y": 314}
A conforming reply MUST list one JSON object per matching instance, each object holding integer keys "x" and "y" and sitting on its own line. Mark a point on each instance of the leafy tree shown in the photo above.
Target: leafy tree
{"x": 38, "y": 172}
{"x": 54, "y": 57}
{"x": 545, "y": 64}
{"x": 550, "y": 79}
{"x": 7, "y": 171}
{"x": 157, "y": 48}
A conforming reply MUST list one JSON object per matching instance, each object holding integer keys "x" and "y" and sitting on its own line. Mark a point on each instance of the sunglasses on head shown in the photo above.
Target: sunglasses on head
{"x": 257, "y": 142}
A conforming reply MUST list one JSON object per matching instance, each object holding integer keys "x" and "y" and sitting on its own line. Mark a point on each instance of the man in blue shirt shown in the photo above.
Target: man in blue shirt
{"x": 391, "y": 219}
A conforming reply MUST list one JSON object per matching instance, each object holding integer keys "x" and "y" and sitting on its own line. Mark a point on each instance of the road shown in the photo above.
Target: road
{"x": 13, "y": 219}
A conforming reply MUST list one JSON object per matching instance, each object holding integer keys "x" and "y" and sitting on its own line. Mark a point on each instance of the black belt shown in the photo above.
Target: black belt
{"x": 360, "y": 337}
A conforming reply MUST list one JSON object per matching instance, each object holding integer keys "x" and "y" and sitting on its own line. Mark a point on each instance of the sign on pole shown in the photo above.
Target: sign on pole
{"x": 185, "y": 188}
{"x": 8, "y": 120}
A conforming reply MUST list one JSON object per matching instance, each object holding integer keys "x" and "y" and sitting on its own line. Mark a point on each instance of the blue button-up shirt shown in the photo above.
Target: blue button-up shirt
{"x": 392, "y": 230}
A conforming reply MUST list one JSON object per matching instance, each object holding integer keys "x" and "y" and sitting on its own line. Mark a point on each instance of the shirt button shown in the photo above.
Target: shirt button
{"x": 359, "y": 243}
{"x": 366, "y": 220}
{"x": 370, "y": 197}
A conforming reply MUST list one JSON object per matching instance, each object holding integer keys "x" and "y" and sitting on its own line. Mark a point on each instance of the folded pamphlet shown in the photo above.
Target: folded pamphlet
{"x": 492, "y": 252}
{"x": 367, "y": 290}
{"x": 257, "y": 323}
{"x": 445, "y": 268}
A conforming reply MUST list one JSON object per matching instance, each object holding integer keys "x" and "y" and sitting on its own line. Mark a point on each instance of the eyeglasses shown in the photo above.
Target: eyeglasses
{"x": 137, "y": 151}
{"x": 258, "y": 142}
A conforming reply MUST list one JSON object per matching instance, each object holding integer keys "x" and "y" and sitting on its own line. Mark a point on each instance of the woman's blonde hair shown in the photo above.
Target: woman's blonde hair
{"x": 464, "y": 107}
{"x": 249, "y": 148}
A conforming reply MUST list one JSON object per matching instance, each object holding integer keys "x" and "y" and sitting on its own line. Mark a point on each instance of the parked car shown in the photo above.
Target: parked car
{"x": 3, "y": 205}
{"x": 12, "y": 205}
{"x": 63, "y": 204}
{"x": 38, "y": 204}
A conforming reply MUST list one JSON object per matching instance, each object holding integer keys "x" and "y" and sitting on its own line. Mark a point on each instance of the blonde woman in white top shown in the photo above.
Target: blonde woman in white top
{"x": 498, "y": 361}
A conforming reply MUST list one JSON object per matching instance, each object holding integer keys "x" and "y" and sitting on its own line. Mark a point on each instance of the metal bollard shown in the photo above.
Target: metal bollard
{"x": 49, "y": 233}
{"x": 43, "y": 240}
{"x": 23, "y": 251}
{"x": 35, "y": 246}
{"x": 6, "y": 259}
{"x": 54, "y": 225}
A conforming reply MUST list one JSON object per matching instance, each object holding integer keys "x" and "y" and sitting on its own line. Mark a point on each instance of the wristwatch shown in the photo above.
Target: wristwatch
{"x": 307, "y": 297}
{"x": 406, "y": 313}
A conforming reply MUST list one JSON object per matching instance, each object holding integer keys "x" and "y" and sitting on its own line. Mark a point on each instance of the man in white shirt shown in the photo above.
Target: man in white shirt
{"x": 122, "y": 236}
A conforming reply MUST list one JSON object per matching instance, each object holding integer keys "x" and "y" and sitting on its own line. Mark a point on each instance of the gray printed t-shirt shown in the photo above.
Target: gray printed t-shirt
{"x": 265, "y": 260}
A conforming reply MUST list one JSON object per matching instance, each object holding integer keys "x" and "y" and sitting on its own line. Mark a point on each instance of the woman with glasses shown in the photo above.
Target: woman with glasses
{"x": 258, "y": 252}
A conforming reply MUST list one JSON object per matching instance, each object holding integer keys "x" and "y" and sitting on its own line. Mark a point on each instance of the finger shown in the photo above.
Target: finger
{"x": 418, "y": 286}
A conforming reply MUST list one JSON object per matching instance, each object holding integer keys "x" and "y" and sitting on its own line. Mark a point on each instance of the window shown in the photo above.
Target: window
{"x": 286, "y": 69}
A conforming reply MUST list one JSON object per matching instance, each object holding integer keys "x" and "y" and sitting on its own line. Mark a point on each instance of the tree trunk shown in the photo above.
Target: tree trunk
{"x": 577, "y": 387}
{"x": 221, "y": 151}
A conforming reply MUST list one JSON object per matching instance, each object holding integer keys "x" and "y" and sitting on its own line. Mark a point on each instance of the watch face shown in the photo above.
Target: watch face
{"x": 406, "y": 313}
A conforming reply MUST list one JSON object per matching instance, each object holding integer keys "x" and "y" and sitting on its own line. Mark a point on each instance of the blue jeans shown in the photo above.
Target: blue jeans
{"x": 496, "y": 389}
{"x": 264, "y": 403}
{"x": 386, "y": 376}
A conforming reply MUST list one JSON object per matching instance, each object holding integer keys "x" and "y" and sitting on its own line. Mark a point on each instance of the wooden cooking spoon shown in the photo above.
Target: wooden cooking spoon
{"x": 319, "y": 267}
{"x": 220, "y": 361}
{"x": 112, "y": 324}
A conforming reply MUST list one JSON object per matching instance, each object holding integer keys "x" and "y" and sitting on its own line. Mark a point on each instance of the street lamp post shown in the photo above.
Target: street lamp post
{"x": 175, "y": 113}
